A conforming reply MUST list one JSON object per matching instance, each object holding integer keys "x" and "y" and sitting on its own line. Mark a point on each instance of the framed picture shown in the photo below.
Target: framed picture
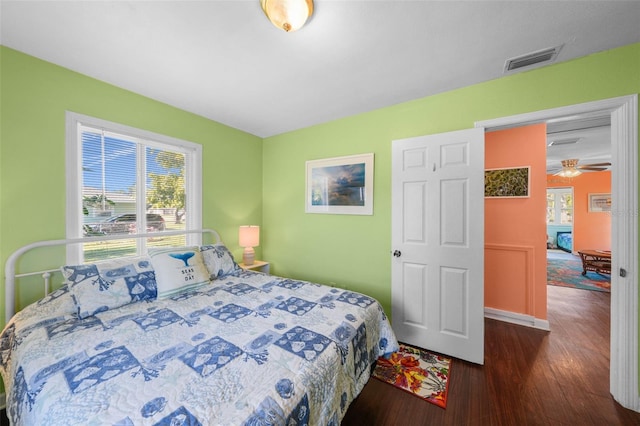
{"x": 507, "y": 182}
{"x": 599, "y": 202}
{"x": 341, "y": 185}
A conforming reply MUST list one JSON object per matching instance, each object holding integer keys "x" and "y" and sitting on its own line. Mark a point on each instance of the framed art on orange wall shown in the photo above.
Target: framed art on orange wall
{"x": 507, "y": 182}
{"x": 599, "y": 203}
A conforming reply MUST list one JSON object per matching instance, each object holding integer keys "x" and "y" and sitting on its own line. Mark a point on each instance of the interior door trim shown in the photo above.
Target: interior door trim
{"x": 624, "y": 188}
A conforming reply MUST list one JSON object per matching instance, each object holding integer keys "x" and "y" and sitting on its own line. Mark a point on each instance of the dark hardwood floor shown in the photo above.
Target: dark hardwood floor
{"x": 530, "y": 377}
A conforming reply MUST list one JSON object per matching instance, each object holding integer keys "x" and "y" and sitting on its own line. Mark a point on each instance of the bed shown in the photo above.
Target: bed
{"x": 564, "y": 241}
{"x": 147, "y": 340}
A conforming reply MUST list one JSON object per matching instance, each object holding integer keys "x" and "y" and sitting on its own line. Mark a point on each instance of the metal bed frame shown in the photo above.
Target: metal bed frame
{"x": 10, "y": 266}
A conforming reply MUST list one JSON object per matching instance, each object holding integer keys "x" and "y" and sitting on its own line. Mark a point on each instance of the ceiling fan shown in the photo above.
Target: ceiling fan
{"x": 570, "y": 168}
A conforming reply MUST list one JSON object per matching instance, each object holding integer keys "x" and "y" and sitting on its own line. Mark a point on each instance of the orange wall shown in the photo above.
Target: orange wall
{"x": 591, "y": 230}
{"x": 515, "y": 228}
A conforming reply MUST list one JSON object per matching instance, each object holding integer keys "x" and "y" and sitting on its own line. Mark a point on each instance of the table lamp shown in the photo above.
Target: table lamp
{"x": 249, "y": 237}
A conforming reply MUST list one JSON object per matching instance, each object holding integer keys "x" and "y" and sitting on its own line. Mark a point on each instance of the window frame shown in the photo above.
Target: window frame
{"x": 73, "y": 158}
{"x": 557, "y": 192}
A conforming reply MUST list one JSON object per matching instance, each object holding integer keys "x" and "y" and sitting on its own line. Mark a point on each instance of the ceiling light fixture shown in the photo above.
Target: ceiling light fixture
{"x": 288, "y": 15}
{"x": 569, "y": 169}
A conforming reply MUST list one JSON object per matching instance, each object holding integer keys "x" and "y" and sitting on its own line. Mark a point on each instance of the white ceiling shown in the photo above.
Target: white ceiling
{"x": 223, "y": 60}
{"x": 592, "y": 144}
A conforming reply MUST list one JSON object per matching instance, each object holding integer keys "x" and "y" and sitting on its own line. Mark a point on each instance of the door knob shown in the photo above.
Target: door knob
{"x": 397, "y": 253}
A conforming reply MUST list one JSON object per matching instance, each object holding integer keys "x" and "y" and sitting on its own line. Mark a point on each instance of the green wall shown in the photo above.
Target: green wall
{"x": 347, "y": 251}
{"x": 35, "y": 96}
{"x": 354, "y": 251}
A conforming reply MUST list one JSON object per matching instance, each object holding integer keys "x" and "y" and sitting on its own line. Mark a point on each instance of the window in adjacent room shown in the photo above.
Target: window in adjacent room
{"x": 559, "y": 206}
{"x": 122, "y": 180}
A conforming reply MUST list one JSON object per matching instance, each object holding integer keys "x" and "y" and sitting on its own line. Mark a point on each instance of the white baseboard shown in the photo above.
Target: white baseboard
{"x": 515, "y": 318}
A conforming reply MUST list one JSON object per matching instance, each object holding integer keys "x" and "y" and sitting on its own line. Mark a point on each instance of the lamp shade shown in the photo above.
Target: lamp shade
{"x": 288, "y": 15}
{"x": 569, "y": 173}
{"x": 249, "y": 236}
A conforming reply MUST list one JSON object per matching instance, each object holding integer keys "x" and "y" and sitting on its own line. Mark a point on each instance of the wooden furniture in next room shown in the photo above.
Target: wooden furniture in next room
{"x": 596, "y": 261}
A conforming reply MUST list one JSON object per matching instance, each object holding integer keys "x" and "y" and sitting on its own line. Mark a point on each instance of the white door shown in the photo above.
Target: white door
{"x": 437, "y": 269}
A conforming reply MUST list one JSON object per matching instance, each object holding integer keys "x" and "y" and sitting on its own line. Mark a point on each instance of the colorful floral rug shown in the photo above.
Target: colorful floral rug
{"x": 568, "y": 273}
{"x": 418, "y": 372}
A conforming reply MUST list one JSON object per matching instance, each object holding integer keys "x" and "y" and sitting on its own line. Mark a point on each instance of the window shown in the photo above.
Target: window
{"x": 122, "y": 180}
{"x": 559, "y": 206}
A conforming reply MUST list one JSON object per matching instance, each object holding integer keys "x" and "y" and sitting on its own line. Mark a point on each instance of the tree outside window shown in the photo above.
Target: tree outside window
{"x": 130, "y": 181}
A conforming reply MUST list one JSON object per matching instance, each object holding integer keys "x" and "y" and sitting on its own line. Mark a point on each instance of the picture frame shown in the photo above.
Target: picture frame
{"x": 507, "y": 182}
{"x": 599, "y": 202}
{"x": 340, "y": 185}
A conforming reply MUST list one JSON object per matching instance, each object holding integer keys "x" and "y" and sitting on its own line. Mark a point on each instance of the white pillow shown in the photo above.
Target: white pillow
{"x": 100, "y": 286}
{"x": 218, "y": 260}
{"x": 178, "y": 269}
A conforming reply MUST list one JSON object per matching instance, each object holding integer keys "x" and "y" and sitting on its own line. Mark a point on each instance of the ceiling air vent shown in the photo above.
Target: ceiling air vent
{"x": 559, "y": 142}
{"x": 535, "y": 58}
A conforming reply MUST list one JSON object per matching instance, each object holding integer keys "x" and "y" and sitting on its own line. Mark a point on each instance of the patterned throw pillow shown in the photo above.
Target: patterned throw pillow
{"x": 178, "y": 269}
{"x": 98, "y": 287}
{"x": 218, "y": 260}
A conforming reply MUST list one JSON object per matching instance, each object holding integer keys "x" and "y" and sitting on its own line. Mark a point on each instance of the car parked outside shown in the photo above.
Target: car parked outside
{"x": 126, "y": 224}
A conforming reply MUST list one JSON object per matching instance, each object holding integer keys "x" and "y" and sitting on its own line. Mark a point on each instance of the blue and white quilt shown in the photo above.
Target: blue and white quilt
{"x": 248, "y": 348}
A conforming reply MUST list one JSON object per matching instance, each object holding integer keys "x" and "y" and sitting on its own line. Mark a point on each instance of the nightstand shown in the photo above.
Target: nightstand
{"x": 258, "y": 266}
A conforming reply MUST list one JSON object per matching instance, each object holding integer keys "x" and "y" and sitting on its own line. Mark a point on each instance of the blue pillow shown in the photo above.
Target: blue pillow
{"x": 218, "y": 260}
{"x": 98, "y": 287}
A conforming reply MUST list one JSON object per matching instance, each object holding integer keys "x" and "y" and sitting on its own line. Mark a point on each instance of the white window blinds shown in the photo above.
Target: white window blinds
{"x": 132, "y": 183}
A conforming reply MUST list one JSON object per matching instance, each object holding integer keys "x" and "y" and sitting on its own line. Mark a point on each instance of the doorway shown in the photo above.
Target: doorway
{"x": 624, "y": 190}
{"x": 578, "y": 156}
{"x": 560, "y": 217}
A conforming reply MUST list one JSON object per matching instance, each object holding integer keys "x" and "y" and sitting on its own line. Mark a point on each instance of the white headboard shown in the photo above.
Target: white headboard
{"x": 10, "y": 267}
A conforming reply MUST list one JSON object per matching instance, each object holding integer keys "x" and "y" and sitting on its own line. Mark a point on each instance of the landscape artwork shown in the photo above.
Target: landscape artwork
{"x": 342, "y": 185}
{"x": 338, "y": 185}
